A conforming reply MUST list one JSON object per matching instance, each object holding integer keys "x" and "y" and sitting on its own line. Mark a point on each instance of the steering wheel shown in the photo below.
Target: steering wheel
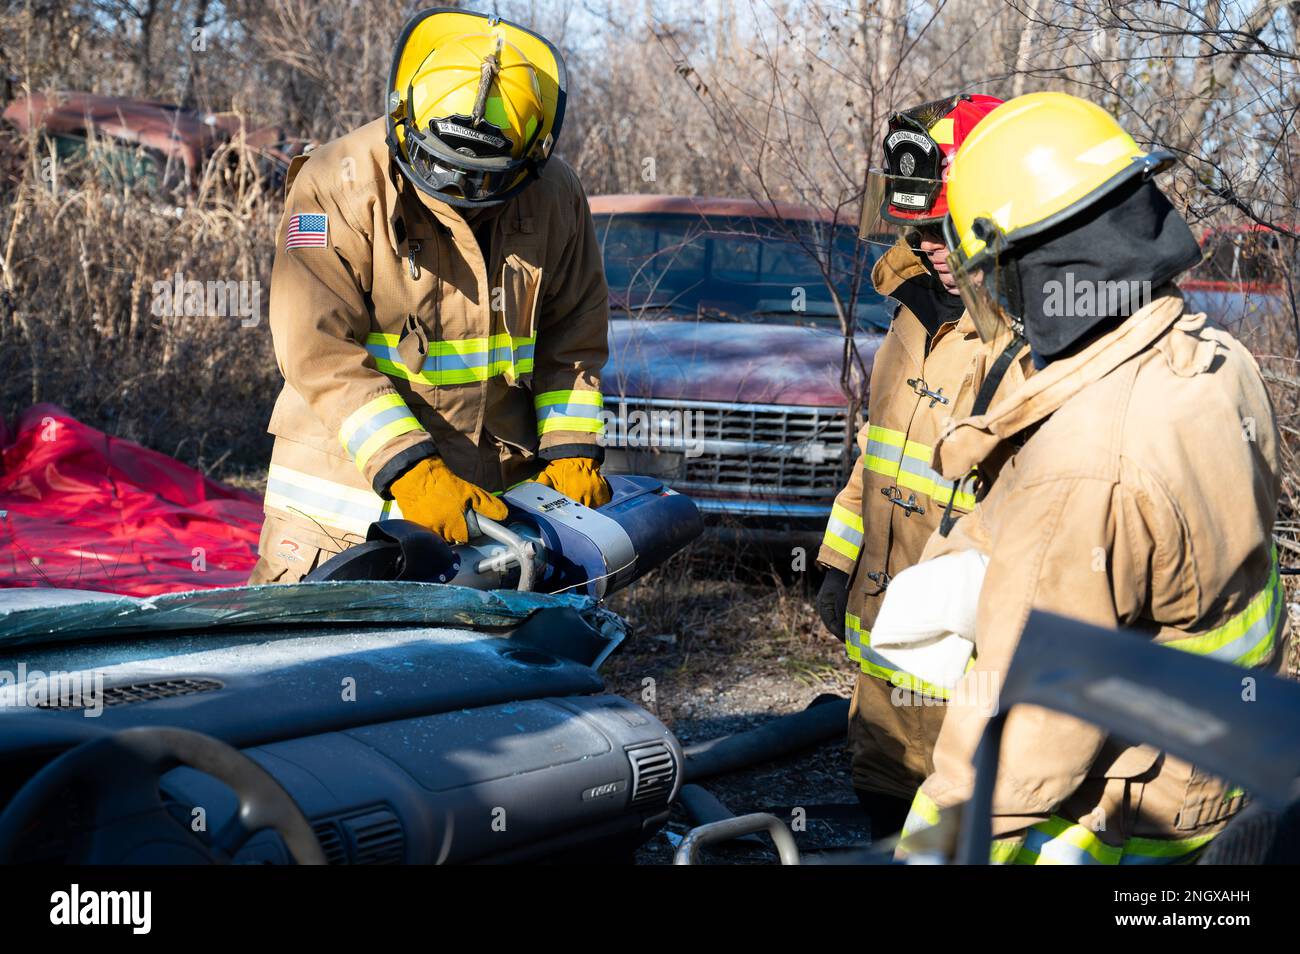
{"x": 122, "y": 772}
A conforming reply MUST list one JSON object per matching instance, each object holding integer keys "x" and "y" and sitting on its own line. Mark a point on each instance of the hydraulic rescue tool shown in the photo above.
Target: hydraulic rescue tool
{"x": 549, "y": 543}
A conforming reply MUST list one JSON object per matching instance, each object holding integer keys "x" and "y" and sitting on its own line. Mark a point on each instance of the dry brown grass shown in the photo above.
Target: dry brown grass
{"x": 81, "y": 256}
{"x": 1274, "y": 339}
{"x": 706, "y": 599}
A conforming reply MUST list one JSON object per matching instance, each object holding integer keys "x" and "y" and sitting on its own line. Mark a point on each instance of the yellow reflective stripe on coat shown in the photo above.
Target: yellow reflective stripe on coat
{"x": 374, "y": 424}
{"x": 569, "y": 411}
{"x": 944, "y": 489}
{"x": 1058, "y": 841}
{"x": 461, "y": 361}
{"x": 857, "y": 646}
{"x": 1250, "y": 637}
{"x": 325, "y": 502}
{"x": 923, "y": 814}
{"x": 907, "y": 462}
{"x": 844, "y": 532}
{"x": 884, "y": 450}
{"x": 915, "y": 473}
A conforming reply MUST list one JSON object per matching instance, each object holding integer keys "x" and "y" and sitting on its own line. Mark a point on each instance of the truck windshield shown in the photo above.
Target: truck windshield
{"x": 750, "y": 269}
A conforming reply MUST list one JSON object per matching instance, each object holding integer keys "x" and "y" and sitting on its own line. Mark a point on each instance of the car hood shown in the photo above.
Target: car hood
{"x": 728, "y": 361}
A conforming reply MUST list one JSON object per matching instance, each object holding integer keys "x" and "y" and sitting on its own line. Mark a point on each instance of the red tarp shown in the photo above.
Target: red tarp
{"x": 84, "y": 510}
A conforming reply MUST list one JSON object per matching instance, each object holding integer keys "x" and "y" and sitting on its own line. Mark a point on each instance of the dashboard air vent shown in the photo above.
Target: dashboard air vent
{"x": 377, "y": 838}
{"x": 372, "y": 837}
{"x": 331, "y": 842}
{"x": 138, "y": 692}
{"x": 654, "y": 770}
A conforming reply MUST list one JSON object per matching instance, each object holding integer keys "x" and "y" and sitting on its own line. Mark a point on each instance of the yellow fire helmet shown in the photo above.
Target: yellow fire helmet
{"x": 1031, "y": 164}
{"x": 475, "y": 104}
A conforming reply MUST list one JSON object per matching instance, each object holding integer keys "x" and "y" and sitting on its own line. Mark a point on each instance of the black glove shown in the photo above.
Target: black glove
{"x": 833, "y": 599}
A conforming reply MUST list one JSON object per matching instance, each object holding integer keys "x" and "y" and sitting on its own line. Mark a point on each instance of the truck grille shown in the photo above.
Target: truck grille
{"x": 754, "y": 450}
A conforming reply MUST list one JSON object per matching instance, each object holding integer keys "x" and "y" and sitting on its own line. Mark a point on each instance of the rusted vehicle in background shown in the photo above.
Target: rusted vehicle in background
{"x": 143, "y": 143}
{"x": 1247, "y": 272}
{"x": 726, "y": 355}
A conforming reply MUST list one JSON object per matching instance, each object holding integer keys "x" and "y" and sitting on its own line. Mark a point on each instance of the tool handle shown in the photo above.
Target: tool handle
{"x": 523, "y": 550}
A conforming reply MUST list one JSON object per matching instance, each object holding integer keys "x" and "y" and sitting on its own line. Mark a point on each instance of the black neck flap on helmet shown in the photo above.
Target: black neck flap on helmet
{"x": 1088, "y": 273}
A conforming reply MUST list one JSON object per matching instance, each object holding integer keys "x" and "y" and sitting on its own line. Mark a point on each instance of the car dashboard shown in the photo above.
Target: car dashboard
{"x": 401, "y": 744}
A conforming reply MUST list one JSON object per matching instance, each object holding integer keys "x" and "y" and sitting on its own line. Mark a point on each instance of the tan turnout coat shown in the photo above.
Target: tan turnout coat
{"x": 1143, "y": 498}
{"x": 397, "y": 340}
{"x": 893, "y": 502}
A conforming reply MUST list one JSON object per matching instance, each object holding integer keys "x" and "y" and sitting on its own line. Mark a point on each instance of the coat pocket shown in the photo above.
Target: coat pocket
{"x": 1207, "y": 799}
{"x": 413, "y": 345}
{"x": 293, "y": 420}
{"x": 521, "y": 284}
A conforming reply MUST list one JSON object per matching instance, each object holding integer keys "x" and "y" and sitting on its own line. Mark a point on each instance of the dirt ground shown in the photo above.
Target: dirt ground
{"x": 715, "y": 655}
{"x": 721, "y": 644}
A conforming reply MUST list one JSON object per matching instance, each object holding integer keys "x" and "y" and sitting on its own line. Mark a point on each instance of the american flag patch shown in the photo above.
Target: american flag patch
{"x": 308, "y": 230}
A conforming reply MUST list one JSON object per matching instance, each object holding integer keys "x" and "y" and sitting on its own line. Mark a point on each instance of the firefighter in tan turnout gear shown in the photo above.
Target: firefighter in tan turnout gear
{"x": 928, "y": 371}
{"x": 1143, "y": 495}
{"x": 438, "y": 304}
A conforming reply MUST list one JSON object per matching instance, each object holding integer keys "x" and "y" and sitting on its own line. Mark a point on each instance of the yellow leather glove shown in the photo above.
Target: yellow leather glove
{"x": 432, "y": 496}
{"x": 578, "y": 478}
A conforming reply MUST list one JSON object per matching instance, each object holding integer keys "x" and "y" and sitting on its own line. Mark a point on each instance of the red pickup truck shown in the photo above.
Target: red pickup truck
{"x": 1247, "y": 272}
{"x": 726, "y": 350}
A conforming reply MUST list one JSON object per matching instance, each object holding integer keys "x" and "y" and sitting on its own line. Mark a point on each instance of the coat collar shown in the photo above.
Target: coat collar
{"x": 901, "y": 263}
{"x": 411, "y": 218}
{"x": 968, "y": 442}
{"x": 895, "y": 267}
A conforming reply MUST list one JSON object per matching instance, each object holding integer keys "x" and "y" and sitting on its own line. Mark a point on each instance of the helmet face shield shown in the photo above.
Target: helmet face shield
{"x": 989, "y": 289}
{"x": 893, "y": 205}
{"x": 434, "y": 168}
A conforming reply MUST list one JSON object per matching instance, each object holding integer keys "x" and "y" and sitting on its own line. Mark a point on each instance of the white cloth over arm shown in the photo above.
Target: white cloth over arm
{"x": 926, "y": 625}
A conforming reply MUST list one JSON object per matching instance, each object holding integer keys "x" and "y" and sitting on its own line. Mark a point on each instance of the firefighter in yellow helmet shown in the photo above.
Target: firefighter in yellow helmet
{"x": 438, "y": 303}
{"x": 931, "y": 368}
{"x": 1142, "y": 496}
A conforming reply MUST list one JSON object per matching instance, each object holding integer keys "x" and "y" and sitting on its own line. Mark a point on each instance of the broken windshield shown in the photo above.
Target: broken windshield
{"x": 33, "y": 616}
